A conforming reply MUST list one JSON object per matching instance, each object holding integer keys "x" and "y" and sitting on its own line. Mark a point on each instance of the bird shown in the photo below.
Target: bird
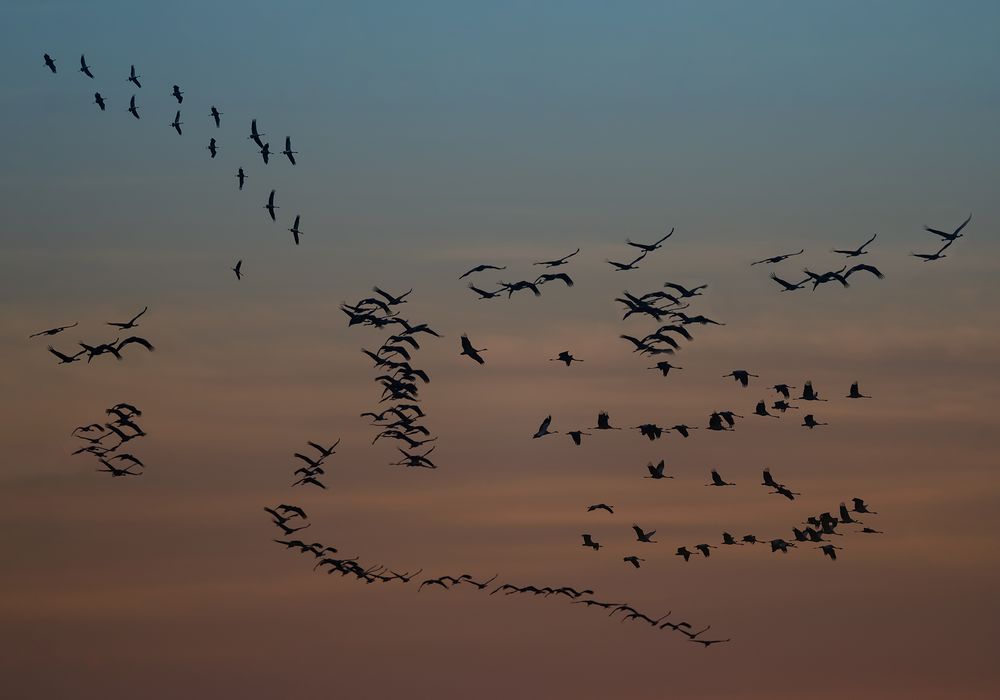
{"x": 870, "y": 531}
{"x": 740, "y": 375}
{"x": 865, "y": 268}
{"x": 818, "y": 279}
{"x": 295, "y": 229}
{"x": 601, "y": 506}
{"x": 575, "y": 436}
{"x": 861, "y": 507}
{"x": 53, "y": 331}
{"x": 656, "y": 470}
{"x": 131, "y": 323}
{"x": 288, "y": 152}
{"x": 271, "y": 206}
{"x": 718, "y": 480}
{"x": 265, "y": 153}
{"x": 761, "y": 410}
{"x": 255, "y": 135}
{"x": 727, "y": 538}
{"x": 549, "y": 277}
{"x": 683, "y": 552}
{"x": 308, "y": 480}
{"x": 176, "y": 123}
{"x": 704, "y": 549}
{"x": 558, "y": 261}
{"x": 650, "y": 247}
{"x": 84, "y": 68}
{"x": 783, "y": 389}
{"x": 633, "y": 560}
{"x": 709, "y": 642}
{"x": 928, "y": 257}
{"x": 49, "y": 62}
{"x": 776, "y": 258}
{"x": 810, "y": 422}
{"x": 789, "y": 286}
{"x": 683, "y": 429}
{"x": 100, "y": 101}
{"x": 238, "y": 269}
{"x": 950, "y": 237}
{"x": 810, "y": 394}
{"x": 65, "y": 359}
{"x": 133, "y": 77}
{"x": 780, "y": 544}
{"x": 481, "y": 268}
{"x": 215, "y": 114}
{"x": 855, "y": 393}
{"x": 133, "y": 110}
{"x": 566, "y": 357}
{"x": 178, "y": 94}
{"x": 684, "y": 291}
{"x": 642, "y": 536}
{"x": 623, "y": 267}
{"x": 134, "y": 339}
{"x": 470, "y": 351}
{"x": 588, "y": 541}
{"x": 860, "y": 250}
{"x": 664, "y": 367}
{"x": 213, "y": 149}
{"x": 830, "y": 550}
{"x": 241, "y": 177}
{"x": 543, "y": 429}
{"x": 604, "y": 422}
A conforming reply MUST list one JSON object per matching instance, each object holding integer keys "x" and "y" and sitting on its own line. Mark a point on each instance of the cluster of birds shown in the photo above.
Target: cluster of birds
{"x": 113, "y": 347}
{"x": 308, "y": 474}
{"x": 256, "y": 136}
{"x": 120, "y": 427}
{"x": 401, "y": 419}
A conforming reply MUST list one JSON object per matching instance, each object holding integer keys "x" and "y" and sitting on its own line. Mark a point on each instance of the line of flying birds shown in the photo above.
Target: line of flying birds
{"x": 113, "y": 347}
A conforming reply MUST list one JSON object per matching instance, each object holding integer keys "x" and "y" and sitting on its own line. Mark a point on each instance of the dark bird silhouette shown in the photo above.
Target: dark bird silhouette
{"x": 265, "y": 153}
{"x": 761, "y": 410}
{"x": 49, "y": 62}
{"x": 789, "y": 286}
{"x": 100, "y": 101}
{"x": 133, "y": 77}
{"x": 865, "y": 268}
{"x": 870, "y": 531}
{"x": 470, "y": 351}
{"x": 130, "y": 458}
{"x": 683, "y": 429}
{"x": 588, "y": 541}
{"x": 783, "y": 389}
{"x": 727, "y": 538}
{"x": 295, "y": 231}
{"x": 511, "y": 287}
{"x": 543, "y": 429}
{"x": 642, "y": 536}
{"x": 860, "y": 250}
{"x": 776, "y": 258}
{"x": 393, "y": 300}
{"x": 213, "y": 149}
{"x": 238, "y": 269}
{"x": 656, "y": 470}
{"x": 633, "y": 560}
{"x": 134, "y": 339}
{"x": 131, "y": 323}
{"x": 664, "y": 368}
{"x": 855, "y": 393}
{"x": 623, "y": 267}
{"x": 810, "y": 422}
{"x": 740, "y": 375}
{"x": 65, "y": 359}
{"x": 810, "y": 394}
{"x": 558, "y": 261}
{"x": 576, "y": 436}
{"x": 308, "y": 480}
{"x": 480, "y": 268}
{"x": 954, "y": 235}
{"x": 255, "y": 135}
{"x": 861, "y": 507}
{"x": 117, "y": 471}
{"x": 830, "y": 550}
{"x": 271, "y": 206}
{"x": 684, "y": 292}
{"x": 133, "y": 110}
{"x": 176, "y": 123}
{"x": 566, "y": 357}
{"x": 84, "y": 68}
{"x": 241, "y": 177}
{"x": 928, "y": 257}
{"x": 833, "y": 275}
{"x": 177, "y": 94}
{"x": 782, "y": 406}
{"x": 650, "y": 247}
{"x": 780, "y": 544}
{"x": 718, "y": 480}
{"x": 288, "y": 152}
{"x": 602, "y": 506}
{"x": 549, "y": 277}
{"x": 604, "y": 422}
{"x": 215, "y": 114}
{"x": 704, "y": 549}
{"x": 709, "y": 642}
{"x": 683, "y": 552}
{"x": 53, "y": 331}
{"x": 289, "y": 530}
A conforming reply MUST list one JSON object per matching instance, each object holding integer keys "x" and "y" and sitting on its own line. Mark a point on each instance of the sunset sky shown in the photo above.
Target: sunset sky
{"x": 432, "y": 137}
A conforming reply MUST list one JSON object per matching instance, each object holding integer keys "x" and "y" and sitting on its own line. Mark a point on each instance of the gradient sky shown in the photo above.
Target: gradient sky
{"x": 434, "y": 136}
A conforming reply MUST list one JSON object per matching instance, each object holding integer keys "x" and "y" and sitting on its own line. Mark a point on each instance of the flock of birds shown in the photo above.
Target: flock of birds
{"x": 398, "y": 416}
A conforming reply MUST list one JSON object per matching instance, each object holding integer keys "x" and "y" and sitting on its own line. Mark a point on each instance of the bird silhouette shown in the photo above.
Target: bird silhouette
{"x": 740, "y": 375}
{"x": 810, "y": 422}
{"x": 604, "y": 422}
{"x": 683, "y": 552}
{"x": 271, "y": 206}
{"x": 576, "y": 436}
{"x": 543, "y": 429}
{"x": 84, "y": 68}
{"x": 133, "y": 110}
{"x": 860, "y": 250}
{"x": 238, "y": 269}
{"x": 177, "y": 94}
{"x": 656, "y": 470}
{"x": 588, "y": 541}
{"x": 288, "y": 152}
{"x": 650, "y": 247}
{"x": 566, "y": 357}
{"x": 777, "y": 258}
{"x": 265, "y": 153}
{"x": 624, "y": 267}
{"x": 255, "y": 135}
{"x": 864, "y": 268}
{"x": 642, "y": 536}
{"x": 53, "y": 331}
{"x": 133, "y": 77}
{"x": 633, "y": 560}
{"x": 601, "y": 506}
{"x": 789, "y": 286}
{"x": 761, "y": 410}
{"x": 63, "y": 358}
{"x": 552, "y": 276}
{"x": 809, "y": 394}
{"x": 100, "y": 101}
{"x": 929, "y": 257}
{"x": 558, "y": 261}
{"x": 131, "y": 323}
{"x": 176, "y": 123}
{"x": 49, "y": 62}
{"x": 241, "y": 177}
{"x": 295, "y": 231}
{"x": 215, "y": 114}
{"x": 705, "y": 549}
{"x": 664, "y": 368}
{"x": 470, "y": 351}
{"x": 718, "y": 480}
{"x": 954, "y": 235}
{"x": 481, "y": 268}
{"x": 855, "y": 393}
{"x": 213, "y": 150}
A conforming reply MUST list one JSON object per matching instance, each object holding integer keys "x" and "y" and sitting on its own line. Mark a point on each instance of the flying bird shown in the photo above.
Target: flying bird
{"x": 84, "y": 68}
{"x": 549, "y": 277}
{"x": 215, "y": 114}
{"x": 860, "y": 250}
{"x": 650, "y": 247}
{"x": 761, "y": 409}
{"x": 558, "y": 261}
{"x": 633, "y": 560}
{"x": 133, "y": 110}
{"x": 623, "y": 267}
{"x": 776, "y": 258}
{"x": 241, "y": 177}
{"x": 238, "y": 269}
{"x": 480, "y": 268}
{"x": 271, "y": 206}
{"x": 810, "y": 421}
{"x": 255, "y": 135}
{"x": 954, "y": 235}
{"x": 865, "y": 268}
{"x": 265, "y": 153}
{"x": 178, "y": 94}
{"x": 133, "y": 77}
{"x": 543, "y": 429}
{"x": 740, "y": 375}
{"x": 295, "y": 229}
{"x": 642, "y": 536}
{"x": 664, "y": 367}
{"x": 100, "y": 101}
{"x": 49, "y": 62}
{"x": 288, "y": 152}
{"x": 789, "y": 286}
{"x": 928, "y": 257}
{"x": 131, "y": 323}
{"x": 53, "y": 331}
{"x": 856, "y": 393}
{"x": 605, "y": 506}
{"x": 588, "y": 541}
{"x": 576, "y": 436}
{"x": 718, "y": 480}
{"x": 656, "y": 470}
{"x": 176, "y": 123}
{"x": 604, "y": 422}
{"x": 470, "y": 351}
{"x": 566, "y": 357}
{"x": 65, "y": 359}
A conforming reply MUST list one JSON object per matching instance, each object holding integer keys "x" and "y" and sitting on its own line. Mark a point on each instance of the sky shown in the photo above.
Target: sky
{"x": 433, "y": 137}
